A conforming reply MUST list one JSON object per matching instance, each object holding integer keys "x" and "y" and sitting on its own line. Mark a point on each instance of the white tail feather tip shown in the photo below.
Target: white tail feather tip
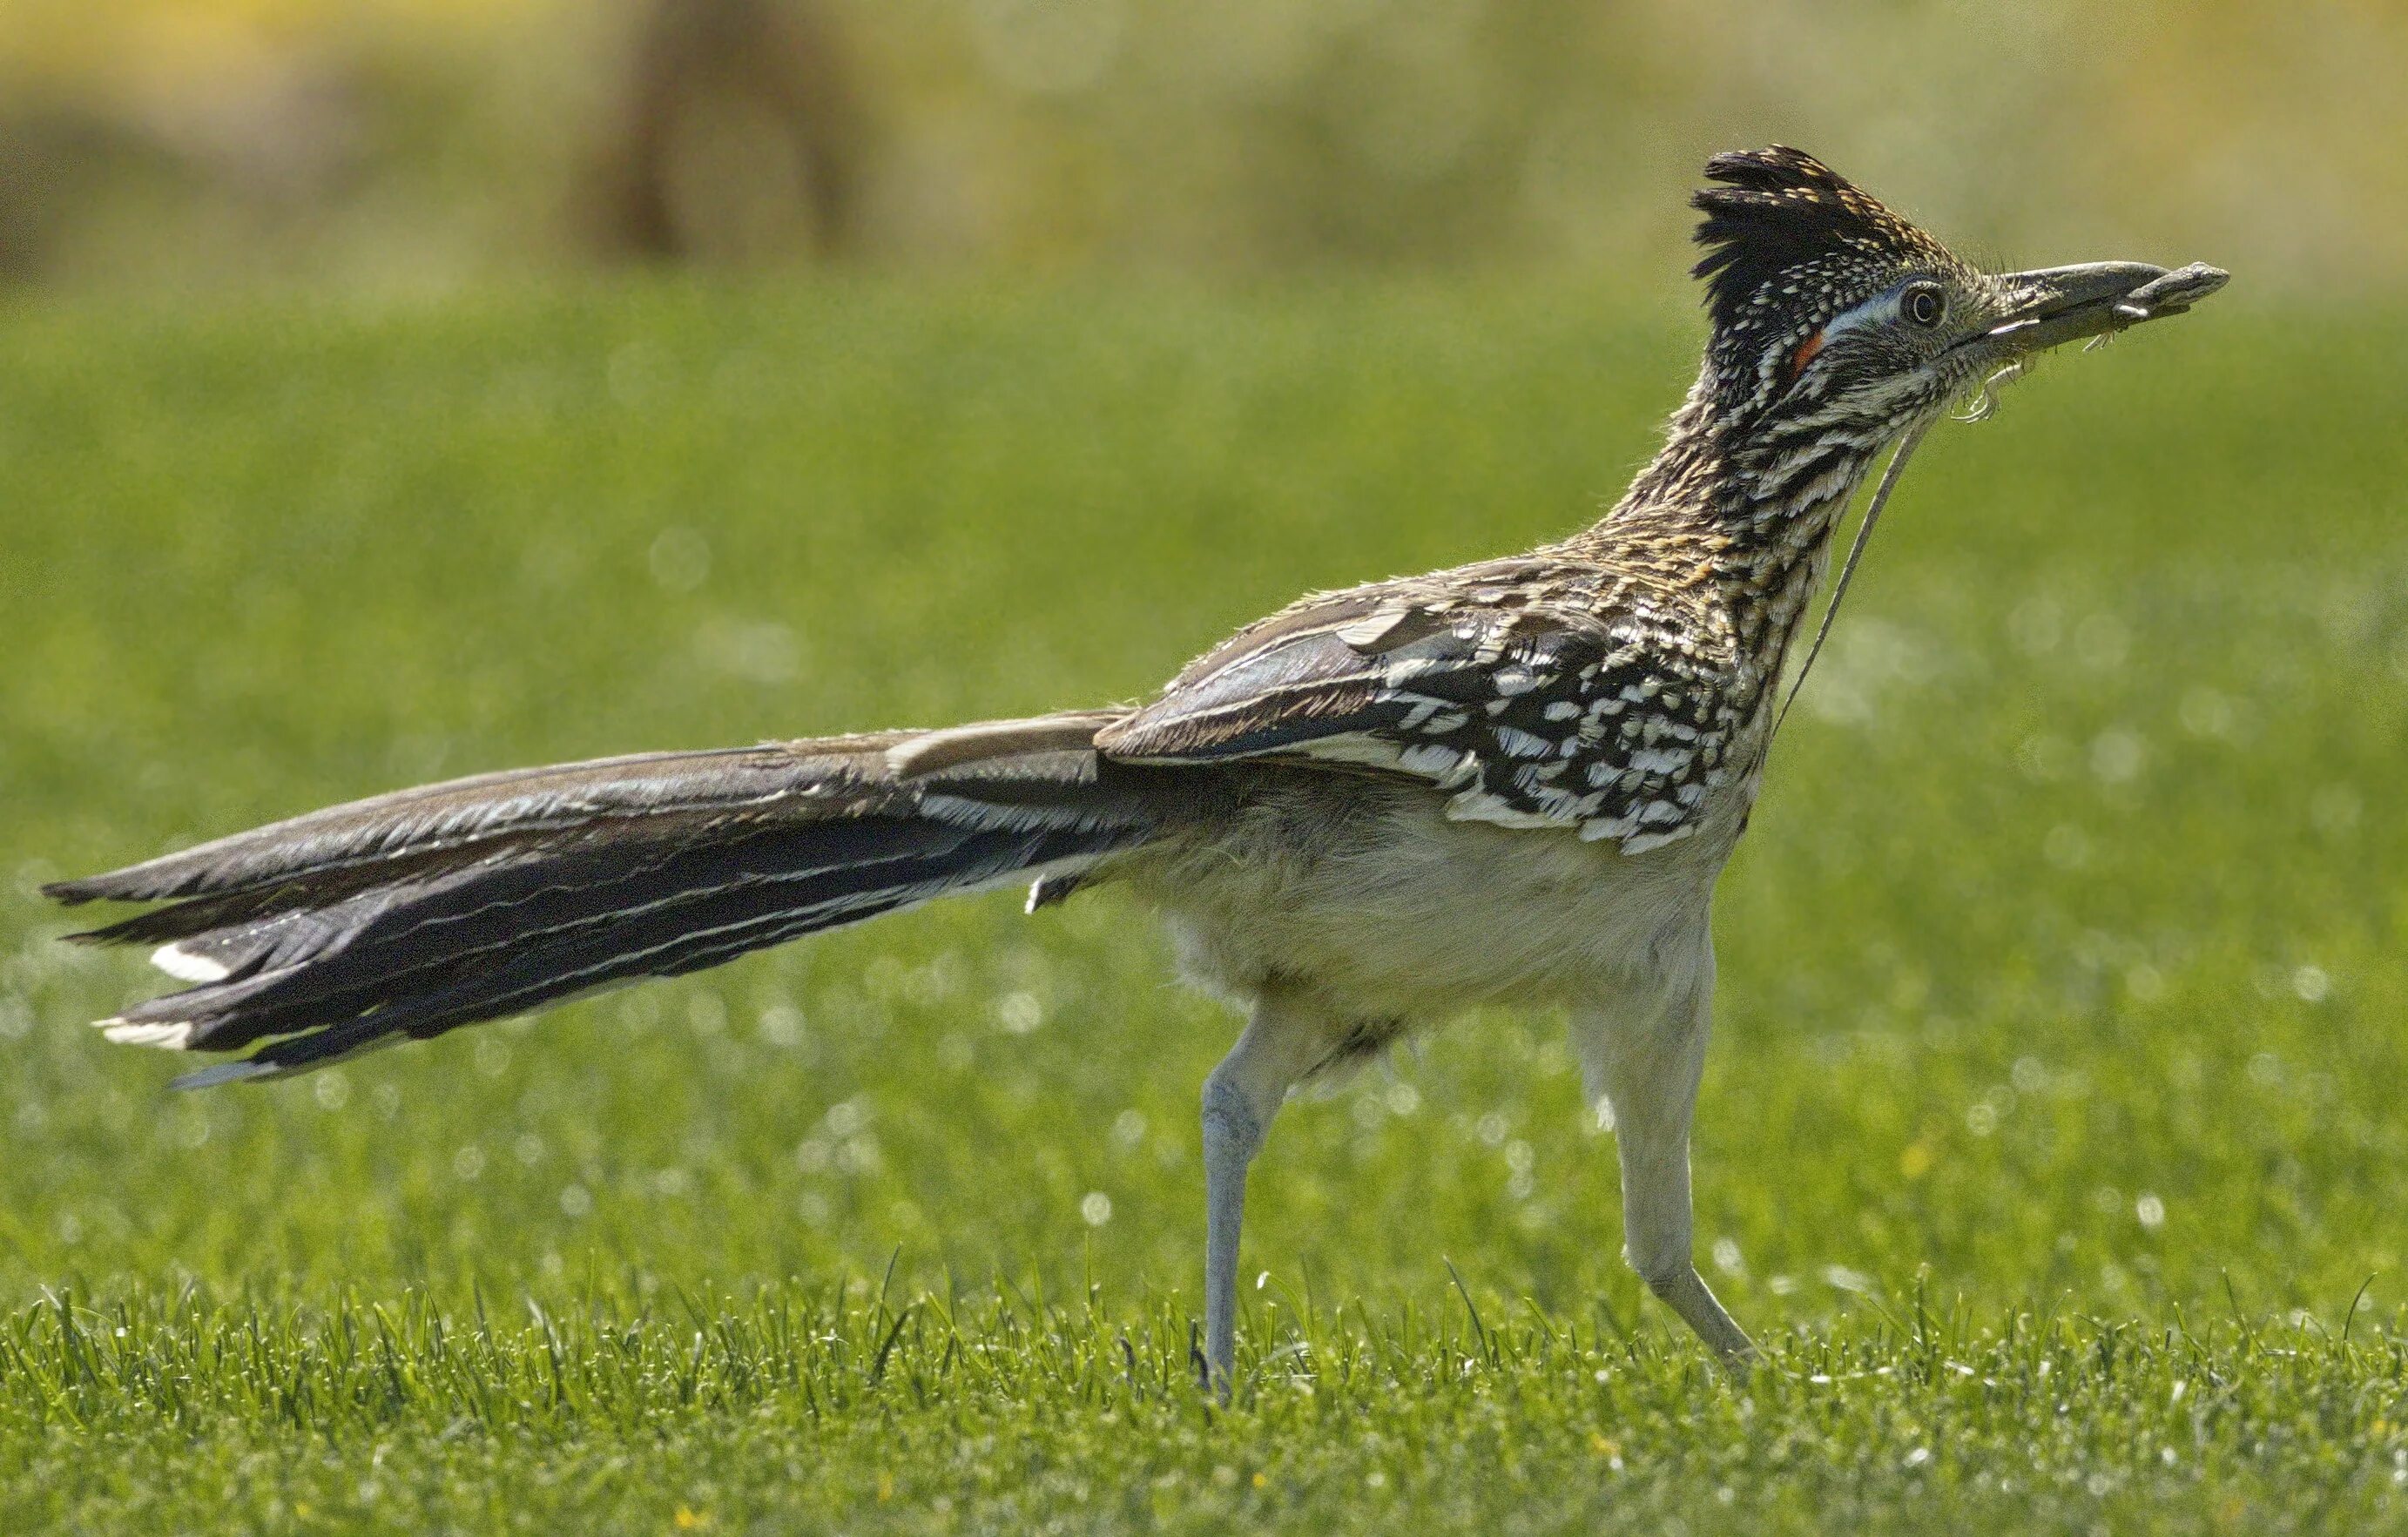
{"x": 186, "y": 967}
{"x": 167, "y": 1036}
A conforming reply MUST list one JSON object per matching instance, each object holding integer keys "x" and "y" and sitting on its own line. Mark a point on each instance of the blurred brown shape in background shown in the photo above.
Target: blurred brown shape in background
{"x": 268, "y": 147}
{"x": 738, "y": 140}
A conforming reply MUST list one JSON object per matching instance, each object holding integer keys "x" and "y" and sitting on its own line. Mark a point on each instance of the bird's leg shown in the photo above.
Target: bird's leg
{"x": 1646, "y": 1071}
{"x": 1240, "y": 1096}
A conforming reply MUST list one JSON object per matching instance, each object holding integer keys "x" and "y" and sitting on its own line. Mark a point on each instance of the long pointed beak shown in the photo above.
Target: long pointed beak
{"x": 2061, "y": 304}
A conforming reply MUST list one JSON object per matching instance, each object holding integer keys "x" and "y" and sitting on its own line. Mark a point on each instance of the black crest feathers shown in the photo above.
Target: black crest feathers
{"x": 1780, "y": 208}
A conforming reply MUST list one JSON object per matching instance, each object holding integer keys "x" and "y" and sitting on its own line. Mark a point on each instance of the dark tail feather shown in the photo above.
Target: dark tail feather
{"x": 408, "y": 914}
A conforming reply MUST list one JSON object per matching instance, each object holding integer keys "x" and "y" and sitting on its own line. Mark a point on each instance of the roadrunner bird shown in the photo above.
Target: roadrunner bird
{"x": 1515, "y": 781}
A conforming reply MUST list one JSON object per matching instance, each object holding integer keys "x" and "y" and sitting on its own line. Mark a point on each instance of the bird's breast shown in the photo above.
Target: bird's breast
{"x": 1370, "y": 895}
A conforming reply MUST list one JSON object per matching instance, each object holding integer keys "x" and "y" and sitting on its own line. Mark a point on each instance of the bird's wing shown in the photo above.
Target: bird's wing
{"x": 1527, "y": 692}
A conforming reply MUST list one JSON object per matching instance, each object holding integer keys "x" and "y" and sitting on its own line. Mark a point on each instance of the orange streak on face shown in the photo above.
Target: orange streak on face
{"x": 1804, "y": 355}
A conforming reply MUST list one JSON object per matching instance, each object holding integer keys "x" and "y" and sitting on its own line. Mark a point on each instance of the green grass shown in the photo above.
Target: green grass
{"x": 2051, "y": 1129}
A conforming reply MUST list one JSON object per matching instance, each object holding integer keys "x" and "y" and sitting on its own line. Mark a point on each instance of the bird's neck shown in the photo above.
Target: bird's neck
{"x": 1746, "y": 507}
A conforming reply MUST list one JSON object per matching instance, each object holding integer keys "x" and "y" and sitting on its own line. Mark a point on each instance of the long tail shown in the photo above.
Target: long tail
{"x": 411, "y": 913}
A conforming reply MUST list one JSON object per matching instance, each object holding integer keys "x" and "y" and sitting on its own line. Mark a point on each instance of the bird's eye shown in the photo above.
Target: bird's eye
{"x": 1926, "y": 304}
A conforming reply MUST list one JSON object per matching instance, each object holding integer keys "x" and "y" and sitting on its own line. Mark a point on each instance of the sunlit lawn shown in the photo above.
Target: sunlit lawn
{"x": 2053, "y": 1127}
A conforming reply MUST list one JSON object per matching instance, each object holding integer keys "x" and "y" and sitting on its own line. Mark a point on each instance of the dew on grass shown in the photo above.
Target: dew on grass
{"x": 753, "y": 651}
{"x": 2117, "y": 756}
{"x": 2067, "y": 847}
{"x": 2205, "y": 712}
{"x": 1019, "y": 1014}
{"x": 2334, "y": 809}
{"x": 2036, "y": 624}
{"x": 2103, "y": 641}
{"x": 782, "y": 1025}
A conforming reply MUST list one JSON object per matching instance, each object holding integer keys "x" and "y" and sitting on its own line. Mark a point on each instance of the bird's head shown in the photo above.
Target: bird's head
{"x": 1834, "y": 315}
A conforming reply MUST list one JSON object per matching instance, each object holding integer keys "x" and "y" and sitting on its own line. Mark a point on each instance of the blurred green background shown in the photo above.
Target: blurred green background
{"x": 401, "y": 389}
{"x": 417, "y": 143}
